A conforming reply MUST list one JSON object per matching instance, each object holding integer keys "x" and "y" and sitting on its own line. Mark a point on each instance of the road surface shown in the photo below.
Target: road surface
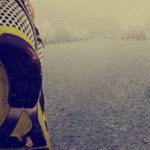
{"x": 98, "y": 95}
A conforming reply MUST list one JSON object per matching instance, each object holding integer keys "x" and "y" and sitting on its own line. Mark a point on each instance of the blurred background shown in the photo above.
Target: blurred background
{"x": 69, "y": 20}
{"x": 96, "y": 73}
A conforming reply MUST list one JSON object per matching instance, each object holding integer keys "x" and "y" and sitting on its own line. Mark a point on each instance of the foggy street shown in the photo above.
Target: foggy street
{"x": 98, "y": 94}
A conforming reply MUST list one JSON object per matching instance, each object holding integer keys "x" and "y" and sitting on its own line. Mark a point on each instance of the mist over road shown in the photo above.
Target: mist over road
{"x": 98, "y": 94}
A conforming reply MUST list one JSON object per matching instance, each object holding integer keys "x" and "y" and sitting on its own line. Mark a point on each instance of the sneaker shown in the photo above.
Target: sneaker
{"x": 21, "y": 97}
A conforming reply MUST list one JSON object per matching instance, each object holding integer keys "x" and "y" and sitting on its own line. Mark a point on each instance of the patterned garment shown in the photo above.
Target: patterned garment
{"x": 22, "y": 118}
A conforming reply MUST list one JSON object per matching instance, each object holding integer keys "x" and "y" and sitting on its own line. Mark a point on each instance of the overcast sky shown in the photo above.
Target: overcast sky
{"x": 126, "y": 12}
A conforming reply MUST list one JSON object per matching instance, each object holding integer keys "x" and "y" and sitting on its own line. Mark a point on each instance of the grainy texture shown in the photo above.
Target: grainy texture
{"x": 98, "y": 95}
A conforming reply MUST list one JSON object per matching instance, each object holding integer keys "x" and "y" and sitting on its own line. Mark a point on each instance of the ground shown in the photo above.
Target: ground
{"x": 98, "y": 94}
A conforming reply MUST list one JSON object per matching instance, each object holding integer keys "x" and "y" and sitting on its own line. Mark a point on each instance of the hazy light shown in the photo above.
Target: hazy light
{"x": 97, "y": 16}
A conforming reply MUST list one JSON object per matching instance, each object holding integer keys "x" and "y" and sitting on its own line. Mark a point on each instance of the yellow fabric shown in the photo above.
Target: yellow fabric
{"x": 15, "y": 31}
{"x": 23, "y": 126}
{"x": 42, "y": 120}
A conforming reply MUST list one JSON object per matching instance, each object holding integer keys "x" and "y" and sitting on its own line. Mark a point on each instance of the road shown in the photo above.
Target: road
{"x": 98, "y": 94}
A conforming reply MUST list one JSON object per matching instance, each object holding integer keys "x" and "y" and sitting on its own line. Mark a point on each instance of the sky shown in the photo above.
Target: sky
{"x": 125, "y": 12}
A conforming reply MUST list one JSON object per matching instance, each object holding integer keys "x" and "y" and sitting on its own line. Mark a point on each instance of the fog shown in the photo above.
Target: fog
{"x": 97, "y": 16}
{"x": 83, "y": 11}
{"x": 97, "y": 91}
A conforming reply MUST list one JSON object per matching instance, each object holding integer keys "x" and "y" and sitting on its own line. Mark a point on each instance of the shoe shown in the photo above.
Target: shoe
{"x": 22, "y": 114}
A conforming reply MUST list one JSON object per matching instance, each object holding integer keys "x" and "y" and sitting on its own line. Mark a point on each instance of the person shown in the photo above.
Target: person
{"x": 22, "y": 103}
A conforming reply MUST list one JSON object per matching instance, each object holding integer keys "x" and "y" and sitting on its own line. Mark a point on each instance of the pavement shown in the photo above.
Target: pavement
{"x": 98, "y": 94}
